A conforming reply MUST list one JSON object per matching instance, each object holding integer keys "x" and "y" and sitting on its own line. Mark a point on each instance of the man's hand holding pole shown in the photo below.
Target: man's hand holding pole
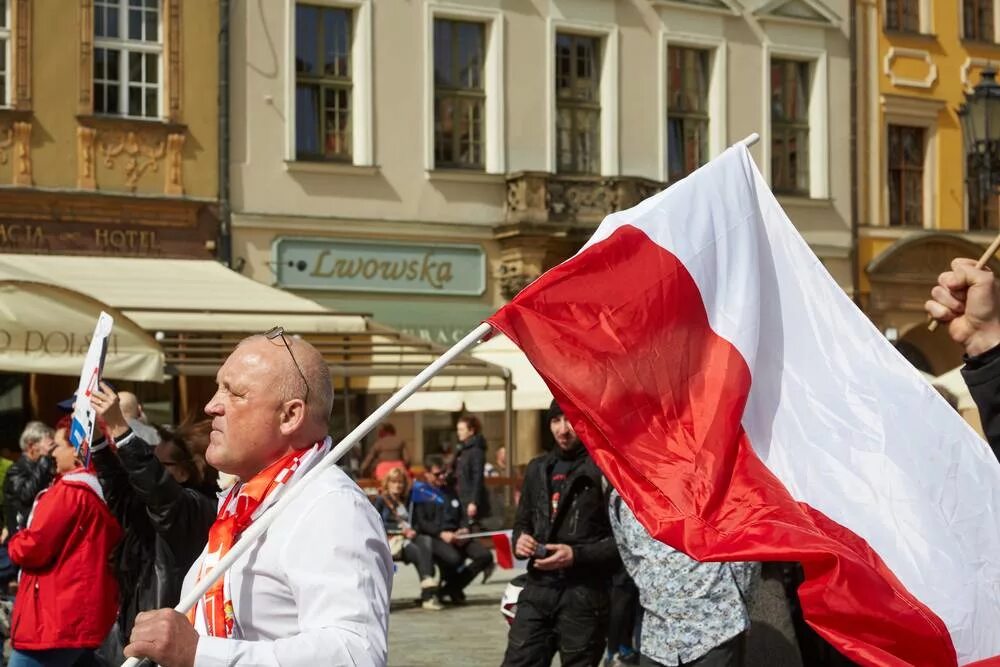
{"x": 967, "y": 298}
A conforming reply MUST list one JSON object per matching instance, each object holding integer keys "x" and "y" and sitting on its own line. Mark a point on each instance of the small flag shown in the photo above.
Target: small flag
{"x": 504, "y": 547}
{"x": 81, "y": 432}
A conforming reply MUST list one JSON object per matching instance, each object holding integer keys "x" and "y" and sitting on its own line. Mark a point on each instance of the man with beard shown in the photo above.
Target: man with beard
{"x": 562, "y": 527}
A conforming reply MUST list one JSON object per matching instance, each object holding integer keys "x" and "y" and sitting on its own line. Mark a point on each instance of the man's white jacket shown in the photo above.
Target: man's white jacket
{"x": 314, "y": 590}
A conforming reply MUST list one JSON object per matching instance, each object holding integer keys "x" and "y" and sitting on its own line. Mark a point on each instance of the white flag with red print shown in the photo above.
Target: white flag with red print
{"x": 746, "y": 410}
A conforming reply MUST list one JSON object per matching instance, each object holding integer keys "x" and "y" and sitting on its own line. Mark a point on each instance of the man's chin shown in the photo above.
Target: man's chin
{"x": 215, "y": 456}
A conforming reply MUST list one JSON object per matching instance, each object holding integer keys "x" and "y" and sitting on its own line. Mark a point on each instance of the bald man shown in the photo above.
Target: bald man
{"x": 315, "y": 589}
{"x": 136, "y": 419}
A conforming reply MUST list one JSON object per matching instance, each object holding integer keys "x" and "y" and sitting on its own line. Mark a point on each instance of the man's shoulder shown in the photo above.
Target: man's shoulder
{"x": 538, "y": 462}
{"x": 332, "y": 481}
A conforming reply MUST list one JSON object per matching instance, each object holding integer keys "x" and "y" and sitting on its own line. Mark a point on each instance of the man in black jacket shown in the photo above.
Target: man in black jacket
{"x": 29, "y": 475}
{"x": 967, "y": 299}
{"x": 437, "y": 512}
{"x": 165, "y": 519}
{"x": 562, "y": 527}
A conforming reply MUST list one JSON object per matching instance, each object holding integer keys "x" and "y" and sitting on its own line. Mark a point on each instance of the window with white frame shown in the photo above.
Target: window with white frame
{"x": 902, "y": 15}
{"x": 128, "y": 50}
{"x": 905, "y": 165}
{"x": 978, "y": 20}
{"x": 459, "y": 94}
{"x": 578, "y": 103}
{"x": 688, "y": 79}
{"x": 323, "y": 83}
{"x": 790, "y": 126}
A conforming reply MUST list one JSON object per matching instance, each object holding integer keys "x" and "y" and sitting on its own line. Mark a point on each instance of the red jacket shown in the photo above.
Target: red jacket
{"x": 68, "y": 594}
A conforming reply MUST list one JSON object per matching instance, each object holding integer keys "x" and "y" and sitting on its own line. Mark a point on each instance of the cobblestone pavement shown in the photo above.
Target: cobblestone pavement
{"x": 475, "y": 634}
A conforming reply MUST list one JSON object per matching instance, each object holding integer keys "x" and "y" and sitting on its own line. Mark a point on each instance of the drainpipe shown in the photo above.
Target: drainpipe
{"x": 853, "y": 256}
{"x": 224, "y": 247}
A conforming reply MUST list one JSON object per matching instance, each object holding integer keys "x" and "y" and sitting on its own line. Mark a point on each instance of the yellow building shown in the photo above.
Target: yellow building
{"x": 108, "y": 148}
{"x": 916, "y": 61}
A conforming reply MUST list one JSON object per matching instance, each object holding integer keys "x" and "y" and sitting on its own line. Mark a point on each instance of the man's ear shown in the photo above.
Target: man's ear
{"x": 292, "y": 416}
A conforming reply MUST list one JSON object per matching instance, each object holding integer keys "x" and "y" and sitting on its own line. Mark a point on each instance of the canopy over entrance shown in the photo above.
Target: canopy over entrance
{"x": 183, "y": 317}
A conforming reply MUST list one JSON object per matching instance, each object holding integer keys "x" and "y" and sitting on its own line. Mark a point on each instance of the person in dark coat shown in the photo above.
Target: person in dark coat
{"x": 470, "y": 470}
{"x": 165, "y": 505}
{"x": 562, "y": 527}
{"x": 967, "y": 299}
{"x": 29, "y": 475}
{"x": 437, "y": 513}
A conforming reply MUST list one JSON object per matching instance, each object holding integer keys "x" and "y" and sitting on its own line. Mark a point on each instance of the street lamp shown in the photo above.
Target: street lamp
{"x": 980, "y": 117}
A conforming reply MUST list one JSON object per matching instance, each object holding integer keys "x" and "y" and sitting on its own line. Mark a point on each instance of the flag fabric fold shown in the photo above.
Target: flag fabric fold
{"x": 746, "y": 410}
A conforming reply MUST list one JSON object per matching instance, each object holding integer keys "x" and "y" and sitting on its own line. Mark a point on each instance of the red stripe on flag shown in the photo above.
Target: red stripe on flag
{"x": 504, "y": 551}
{"x": 621, "y": 336}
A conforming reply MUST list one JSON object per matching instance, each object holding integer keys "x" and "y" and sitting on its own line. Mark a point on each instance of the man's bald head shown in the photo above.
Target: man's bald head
{"x": 129, "y": 403}
{"x": 288, "y": 382}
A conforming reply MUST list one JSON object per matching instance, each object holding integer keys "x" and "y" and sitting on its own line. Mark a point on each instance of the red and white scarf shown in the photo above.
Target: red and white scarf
{"x": 242, "y": 505}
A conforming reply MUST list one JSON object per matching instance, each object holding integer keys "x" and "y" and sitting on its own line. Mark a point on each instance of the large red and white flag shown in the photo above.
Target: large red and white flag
{"x": 746, "y": 410}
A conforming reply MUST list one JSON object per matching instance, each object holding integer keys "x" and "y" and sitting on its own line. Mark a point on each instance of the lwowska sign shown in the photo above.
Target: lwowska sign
{"x": 367, "y": 266}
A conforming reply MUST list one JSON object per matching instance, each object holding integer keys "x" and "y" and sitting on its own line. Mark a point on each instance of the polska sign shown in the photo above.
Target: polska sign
{"x": 359, "y": 266}
{"x": 50, "y": 343}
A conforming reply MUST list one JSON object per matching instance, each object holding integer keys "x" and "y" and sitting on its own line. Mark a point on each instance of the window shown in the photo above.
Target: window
{"x": 459, "y": 94}
{"x": 127, "y": 54}
{"x": 983, "y": 178}
{"x": 977, "y": 19}
{"x": 906, "y": 176}
{"x": 323, "y": 85}
{"x": 790, "y": 127}
{"x": 687, "y": 110}
{"x": 578, "y": 104}
{"x": 902, "y": 15}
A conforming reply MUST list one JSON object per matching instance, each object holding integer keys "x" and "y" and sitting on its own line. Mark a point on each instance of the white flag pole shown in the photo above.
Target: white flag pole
{"x": 257, "y": 528}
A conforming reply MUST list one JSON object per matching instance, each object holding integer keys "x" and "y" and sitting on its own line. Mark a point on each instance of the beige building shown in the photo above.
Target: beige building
{"x": 422, "y": 161}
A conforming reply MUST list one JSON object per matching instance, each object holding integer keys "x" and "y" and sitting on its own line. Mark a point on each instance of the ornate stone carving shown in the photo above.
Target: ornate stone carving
{"x": 6, "y": 143}
{"x": 21, "y": 29}
{"x": 86, "y": 64}
{"x": 513, "y": 277}
{"x": 173, "y": 54}
{"x": 141, "y": 154}
{"x": 22, "y": 149}
{"x": 576, "y": 200}
{"x": 86, "y": 158}
{"x": 175, "y": 173}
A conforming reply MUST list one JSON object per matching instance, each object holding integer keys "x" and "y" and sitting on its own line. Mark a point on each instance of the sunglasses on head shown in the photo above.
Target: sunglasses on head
{"x": 279, "y": 332}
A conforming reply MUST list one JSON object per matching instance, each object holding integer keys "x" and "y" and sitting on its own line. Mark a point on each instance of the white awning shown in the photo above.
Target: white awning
{"x": 530, "y": 391}
{"x": 180, "y": 294}
{"x": 47, "y": 329}
{"x": 50, "y": 303}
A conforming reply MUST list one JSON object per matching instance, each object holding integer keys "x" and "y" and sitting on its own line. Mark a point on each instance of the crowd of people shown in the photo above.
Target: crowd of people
{"x": 101, "y": 549}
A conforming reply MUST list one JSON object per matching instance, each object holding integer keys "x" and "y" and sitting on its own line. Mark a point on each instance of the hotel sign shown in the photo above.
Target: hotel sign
{"x": 369, "y": 266}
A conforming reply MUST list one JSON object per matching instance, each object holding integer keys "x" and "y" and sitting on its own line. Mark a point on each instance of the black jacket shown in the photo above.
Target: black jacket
{"x": 580, "y": 521}
{"x": 982, "y": 375}
{"x": 431, "y": 517}
{"x": 469, "y": 473}
{"x": 166, "y": 526}
{"x": 25, "y": 480}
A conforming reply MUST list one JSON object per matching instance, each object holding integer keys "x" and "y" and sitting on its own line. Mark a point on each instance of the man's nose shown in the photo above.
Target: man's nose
{"x": 214, "y": 406}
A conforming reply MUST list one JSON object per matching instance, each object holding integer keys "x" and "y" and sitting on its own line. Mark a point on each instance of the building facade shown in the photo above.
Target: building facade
{"x": 423, "y": 161}
{"x": 108, "y": 148}
{"x": 917, "y": 60}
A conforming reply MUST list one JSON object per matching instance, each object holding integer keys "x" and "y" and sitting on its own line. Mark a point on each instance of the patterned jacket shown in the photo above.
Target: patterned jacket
{"x": 690, "y": 607}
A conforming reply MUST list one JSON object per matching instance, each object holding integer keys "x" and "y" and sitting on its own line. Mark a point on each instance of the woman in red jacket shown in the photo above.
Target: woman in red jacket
{"x": 68, "y": 595}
